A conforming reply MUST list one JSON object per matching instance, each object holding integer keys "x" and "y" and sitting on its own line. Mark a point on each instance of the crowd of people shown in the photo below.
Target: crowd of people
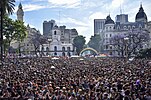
{"x": 75, "y": 79}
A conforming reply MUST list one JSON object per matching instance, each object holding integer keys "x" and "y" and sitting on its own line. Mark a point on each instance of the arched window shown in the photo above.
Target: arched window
{"x": 47, "y": 49}
{"x": 55, "y": 32}
{"x": 69, "y": 54}
{"x": 63, "y": 48}
{"x": 55, "y": 48}
{"x": 68, "y": 48}
{"x": 63, "y": 54}
{"x": 55, "y": 53}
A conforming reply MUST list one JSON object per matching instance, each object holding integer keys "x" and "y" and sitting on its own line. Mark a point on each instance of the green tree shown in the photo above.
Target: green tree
{"x": 95, "y": 42}
{"x": 79, "y": 43}
{"x": 8, "y": 30}
{"x": 6, "y": 7}
{"x": 20, "y": 32}
{"x": 13, "y": 30}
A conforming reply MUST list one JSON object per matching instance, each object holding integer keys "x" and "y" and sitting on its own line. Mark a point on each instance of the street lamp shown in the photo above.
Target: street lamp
{"x": 126, "y": 42}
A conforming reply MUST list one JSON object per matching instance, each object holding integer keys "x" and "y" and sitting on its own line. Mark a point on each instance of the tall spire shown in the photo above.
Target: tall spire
{"x": 20, "y": 12}
{"x": 20, "y": 6}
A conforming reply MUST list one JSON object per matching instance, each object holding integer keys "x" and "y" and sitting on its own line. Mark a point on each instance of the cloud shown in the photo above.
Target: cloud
{"x": 116, "y": 3}
{"x": 30, "y": 7}
{"x": 65, "y": 3}
{"x": 68, "y": 20}
{"x": 97, "y": 15}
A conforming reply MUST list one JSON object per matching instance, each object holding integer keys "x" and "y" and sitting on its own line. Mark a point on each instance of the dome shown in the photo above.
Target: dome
{"x": 141, "y": 14}
{"x": 109, "y": 20}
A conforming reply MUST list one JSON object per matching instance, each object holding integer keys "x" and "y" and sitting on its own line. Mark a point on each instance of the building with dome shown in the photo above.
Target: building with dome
{"x": 121, "y": 27}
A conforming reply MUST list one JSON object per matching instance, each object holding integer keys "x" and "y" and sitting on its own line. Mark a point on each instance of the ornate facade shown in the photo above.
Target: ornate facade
{"x": 121, "y": 28}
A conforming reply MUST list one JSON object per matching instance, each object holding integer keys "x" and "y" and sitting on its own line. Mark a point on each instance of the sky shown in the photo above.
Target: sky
{"x": 78, "y": 14}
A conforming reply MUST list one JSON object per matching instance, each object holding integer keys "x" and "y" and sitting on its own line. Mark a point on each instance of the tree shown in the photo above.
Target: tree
{"x": 20, "y": 32}
{"x": 37, "y": 39}
{"x": 6, "y": 7}
{"x": 79, "y": 42}
{"x": 134, "y": 42}
{"x": 95, "y": 42}
{"x": 8, "y": 31}
{"x": 13, "y": 30}
{"x": 144, "y": 53}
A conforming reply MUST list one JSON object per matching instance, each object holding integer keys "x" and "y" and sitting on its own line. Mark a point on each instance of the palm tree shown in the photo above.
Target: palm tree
{"x": 6, "y": 7}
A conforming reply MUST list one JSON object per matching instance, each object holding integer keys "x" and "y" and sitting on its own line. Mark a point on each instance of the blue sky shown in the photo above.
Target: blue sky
{"x": 78, "y": 14}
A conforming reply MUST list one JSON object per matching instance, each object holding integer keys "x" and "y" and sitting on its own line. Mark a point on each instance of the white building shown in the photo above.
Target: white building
{"x": 55, "y": 47}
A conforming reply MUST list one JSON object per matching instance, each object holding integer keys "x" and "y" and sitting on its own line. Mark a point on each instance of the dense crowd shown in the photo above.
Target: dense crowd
{"x": 75, "y": 79}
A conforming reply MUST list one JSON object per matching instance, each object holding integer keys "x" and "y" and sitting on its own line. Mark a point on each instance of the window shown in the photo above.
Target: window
{"x": 69, "y": 54}
{"x": 110, "y": 47}
{"x": 47, "y": 49}
{"x": 118, "y": 53}
{"x": 55, "y": 53}
{"x": 55, "y": 32}
{"x": 106, "y": 28}
{"x": 110, "y": 35}
{"x": 55, "y": 48}
{"x": 63, "y": 48}
{"x": 129, "y": 27}
{"x": 106, "y": 46}
{"x": 106, "y": 35}
{"x": 63, "y": 54}
{"x": 42, "y": 49}
{"x": 68, "y": 48}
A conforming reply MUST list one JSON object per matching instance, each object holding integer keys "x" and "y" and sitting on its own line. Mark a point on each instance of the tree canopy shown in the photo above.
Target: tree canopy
{"x": 95, "y": 42}
{"x": 13, "y": 30}
{"x": 79, "y": 43}
{"x": 7, "y": 6}
{"x": 135, "y": 41}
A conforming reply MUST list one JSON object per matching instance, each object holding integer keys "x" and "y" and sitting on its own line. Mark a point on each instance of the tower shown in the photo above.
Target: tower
{"x": 20, "y": 13}
{"x": 141, "y": 15}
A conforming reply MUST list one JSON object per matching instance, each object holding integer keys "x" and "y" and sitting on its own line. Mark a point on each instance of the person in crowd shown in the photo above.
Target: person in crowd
{"x": 75, "y": 79}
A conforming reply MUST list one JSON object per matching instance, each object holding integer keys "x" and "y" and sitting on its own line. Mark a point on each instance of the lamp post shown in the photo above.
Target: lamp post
{"x": 126, "y": 42}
